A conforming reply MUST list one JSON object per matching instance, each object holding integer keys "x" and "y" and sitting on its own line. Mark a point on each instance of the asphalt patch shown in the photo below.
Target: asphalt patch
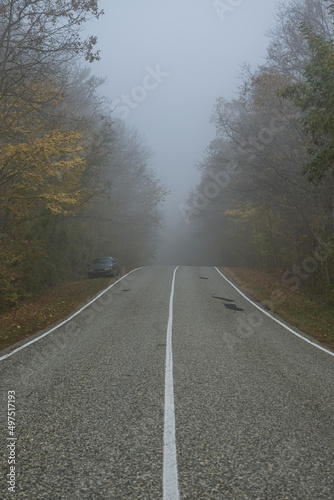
{"x": 230, "y": 306}
{"x": 233, "y": 307}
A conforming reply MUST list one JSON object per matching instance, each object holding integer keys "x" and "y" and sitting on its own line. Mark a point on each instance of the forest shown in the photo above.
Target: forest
{"x": 265, "y": 199}
{"x": 75, "y": 183}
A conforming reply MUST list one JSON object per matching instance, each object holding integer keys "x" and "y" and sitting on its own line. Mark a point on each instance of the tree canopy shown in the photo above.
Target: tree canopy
{"x": 254, "y": 205}
{"x": 74, "y": 184}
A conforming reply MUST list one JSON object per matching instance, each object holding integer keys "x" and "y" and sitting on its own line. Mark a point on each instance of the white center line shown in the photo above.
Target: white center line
{"x": 170, "y": 481}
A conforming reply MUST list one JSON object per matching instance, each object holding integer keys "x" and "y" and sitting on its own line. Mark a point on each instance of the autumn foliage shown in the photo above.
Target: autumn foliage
{"x": 73, "y": 184}
{"x": 272, "y": 204}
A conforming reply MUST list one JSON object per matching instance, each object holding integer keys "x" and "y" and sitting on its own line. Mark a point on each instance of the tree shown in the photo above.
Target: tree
{"x": 42, "y": 155}
{"x": 315, "y": 97}
{"x": 73, "y": 184}
{"x": 288, "y": 51}
{"x": 127, "y": 214}
{"x": 37, "y": 38}
{"x": 41, "y": 175}
{"x": 265, "y": 212}
{"x": 35, "y": 33}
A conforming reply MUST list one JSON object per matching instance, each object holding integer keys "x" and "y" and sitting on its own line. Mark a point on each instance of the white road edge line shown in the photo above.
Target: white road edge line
{"x": 68, "y": 319}
{"x": 170, "y": 479}
{"x": 275, "y": 319}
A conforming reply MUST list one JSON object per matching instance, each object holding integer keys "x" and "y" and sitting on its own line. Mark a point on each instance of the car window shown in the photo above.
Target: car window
{"x": 102, "y": 261}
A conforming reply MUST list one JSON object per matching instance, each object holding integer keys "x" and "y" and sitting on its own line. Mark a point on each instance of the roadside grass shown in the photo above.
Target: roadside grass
{"x": 46, "y": 310}
{"x": 310, "y": 313}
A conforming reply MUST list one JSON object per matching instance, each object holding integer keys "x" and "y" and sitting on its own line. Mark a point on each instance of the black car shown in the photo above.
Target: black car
{"x": 105, "y": 266}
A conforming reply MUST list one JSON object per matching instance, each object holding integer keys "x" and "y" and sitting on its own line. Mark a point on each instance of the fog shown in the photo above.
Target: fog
{"x": 165, "y": 64}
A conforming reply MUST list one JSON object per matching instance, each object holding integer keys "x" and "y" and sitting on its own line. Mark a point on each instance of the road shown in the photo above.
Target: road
{"x": 253, "y": 403}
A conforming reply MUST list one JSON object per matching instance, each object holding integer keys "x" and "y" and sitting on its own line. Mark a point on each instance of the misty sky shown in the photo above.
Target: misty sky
{"x": 166, "y": 62}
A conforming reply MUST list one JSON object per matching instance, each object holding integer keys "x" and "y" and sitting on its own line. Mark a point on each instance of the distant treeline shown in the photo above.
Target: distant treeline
{"x": 266, "y": 195}
{"x": 74, "y": 185}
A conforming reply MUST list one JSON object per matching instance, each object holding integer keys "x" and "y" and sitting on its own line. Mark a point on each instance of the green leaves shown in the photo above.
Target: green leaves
{"x": 315, "y": 97}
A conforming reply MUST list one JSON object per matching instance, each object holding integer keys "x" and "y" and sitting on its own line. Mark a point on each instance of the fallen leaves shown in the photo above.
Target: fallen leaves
{"x": 42, "y": 311}
{"x": 311, "y": 314}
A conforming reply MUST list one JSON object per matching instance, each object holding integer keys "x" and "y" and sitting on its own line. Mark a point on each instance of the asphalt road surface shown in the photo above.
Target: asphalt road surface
{"x": 96, "y": 416}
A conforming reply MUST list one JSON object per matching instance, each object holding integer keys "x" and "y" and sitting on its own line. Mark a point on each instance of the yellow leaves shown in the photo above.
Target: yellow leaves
{"x": 22, "y": 108}
{"x": 267, "y": 84}
{"x": 42, "y": 173}
{"x": 242, "y": 214}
